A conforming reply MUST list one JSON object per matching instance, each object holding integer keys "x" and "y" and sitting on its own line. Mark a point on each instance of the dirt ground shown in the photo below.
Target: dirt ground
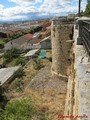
{"x": 51, "y": 90}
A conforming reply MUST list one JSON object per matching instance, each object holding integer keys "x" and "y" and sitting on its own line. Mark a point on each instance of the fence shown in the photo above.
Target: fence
{"x": 86, "y": 36}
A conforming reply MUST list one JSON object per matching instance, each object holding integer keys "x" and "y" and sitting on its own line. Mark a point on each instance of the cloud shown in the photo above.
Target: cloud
{"x": 27, "y": 9}
{"x": 25, "y": 2}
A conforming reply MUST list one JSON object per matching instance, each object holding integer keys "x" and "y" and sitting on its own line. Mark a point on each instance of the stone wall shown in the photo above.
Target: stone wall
{"x": 77, "y": 105}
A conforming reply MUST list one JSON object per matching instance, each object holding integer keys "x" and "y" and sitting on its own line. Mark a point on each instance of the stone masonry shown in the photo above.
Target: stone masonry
{"x": 61, "y": 35}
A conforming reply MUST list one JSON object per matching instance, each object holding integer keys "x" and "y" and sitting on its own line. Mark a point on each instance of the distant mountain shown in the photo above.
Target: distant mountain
{"x": 29, "y": 19}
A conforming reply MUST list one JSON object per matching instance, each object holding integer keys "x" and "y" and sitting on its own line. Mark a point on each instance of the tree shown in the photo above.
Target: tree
{"x": 87, "y": 10}
{"x": 10, "y": 54}
{"x": 20, "y": 61}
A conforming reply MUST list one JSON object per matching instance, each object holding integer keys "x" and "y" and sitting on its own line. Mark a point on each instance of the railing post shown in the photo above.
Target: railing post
{"x": 80, "y": 26}
{"x": 79, "y": 39}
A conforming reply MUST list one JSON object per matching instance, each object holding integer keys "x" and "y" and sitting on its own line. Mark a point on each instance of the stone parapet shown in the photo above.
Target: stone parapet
{"x": 77, "y": 100}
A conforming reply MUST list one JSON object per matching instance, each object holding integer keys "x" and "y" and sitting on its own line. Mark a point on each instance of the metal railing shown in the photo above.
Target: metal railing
{"x": 86, "y": 36}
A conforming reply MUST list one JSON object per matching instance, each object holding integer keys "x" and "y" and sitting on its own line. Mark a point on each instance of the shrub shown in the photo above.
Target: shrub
{"x": 19, "y": 85}
{"x": 10, "y": 54}
{"x": 6, "y": 40}
{"x": 50, "y": 59}
{"x": 20, "y": 61}
{"x": 19, "y": 110}
{"x": 37, "y": 64}
{"x": 23, "y": 109}
{"x": 20, "y": 73}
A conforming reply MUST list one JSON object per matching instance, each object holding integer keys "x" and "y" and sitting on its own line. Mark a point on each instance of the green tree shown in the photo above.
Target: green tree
{"x": 87, "y": 10}
{"x": 20, "y": 61}
{"x": 10, "y": 54}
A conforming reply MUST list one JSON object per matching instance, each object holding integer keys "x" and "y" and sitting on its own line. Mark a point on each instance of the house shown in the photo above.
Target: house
{"x": 16, "y": 30}
{"x": 35, "y": 42}
{"x": 46, "y": 43}
{"x": 44, "y": 27}
{"x": 71, "y": 16}
{"x": 10, "y": 32}
{"x": 31, "y": 53}
{"x": 2, "y": 35}
{"x": 46, "y": 33}
{"x": 22, "y": 42}
{"x": 36, "y": 35}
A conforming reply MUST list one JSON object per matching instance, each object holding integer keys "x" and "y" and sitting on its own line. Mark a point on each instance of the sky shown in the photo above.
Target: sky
{"x": 11, "y": 10}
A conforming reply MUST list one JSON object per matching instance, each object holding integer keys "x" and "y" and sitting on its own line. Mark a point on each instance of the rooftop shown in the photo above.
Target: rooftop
{"x": 7, "y": 73}
{"x": 28, "y": 36}
{"x": 21, "y": 40}
{"x": 46, "y": 38}
{"x": 31, "y": 52}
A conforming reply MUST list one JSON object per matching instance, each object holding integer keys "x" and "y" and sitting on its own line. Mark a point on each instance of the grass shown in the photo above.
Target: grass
{"x": 18, "y": 89}
{"x": 2, "y": 43}
{"x": 30, "y": 73}
{"x": 22, "y": 109}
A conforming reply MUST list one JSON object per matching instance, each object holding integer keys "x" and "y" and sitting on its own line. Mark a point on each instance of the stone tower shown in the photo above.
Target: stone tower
{"x": 61, "y": 35}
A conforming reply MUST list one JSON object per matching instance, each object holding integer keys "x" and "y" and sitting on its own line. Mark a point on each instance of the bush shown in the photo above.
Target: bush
{"x": 19, "y": 85}
{"x": 20, "y": 61}
{"x": 23, "y": 109}
{"x": 20, "y": 73}
{"x": 6, "y": 40}
{"x": 37, "y": 64}
{"x": 50, "y": 59}
{"x": 19, "y": 110}
{"x": 10, "y": 54}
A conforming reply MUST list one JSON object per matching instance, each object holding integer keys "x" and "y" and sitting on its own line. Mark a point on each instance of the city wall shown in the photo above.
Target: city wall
{"x": 70, "y": 61}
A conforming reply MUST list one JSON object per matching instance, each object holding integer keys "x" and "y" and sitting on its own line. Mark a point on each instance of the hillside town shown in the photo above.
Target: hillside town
{"x": 34, "y": 37}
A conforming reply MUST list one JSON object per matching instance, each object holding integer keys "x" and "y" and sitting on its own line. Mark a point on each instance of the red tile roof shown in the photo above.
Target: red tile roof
{"x": 46, "y": 25}
{"x": 28, "y": 36}
{"x": 16, "y": 29}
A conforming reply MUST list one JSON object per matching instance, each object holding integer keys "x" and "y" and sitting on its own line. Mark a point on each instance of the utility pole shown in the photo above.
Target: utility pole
{"x": 79, "y": 8}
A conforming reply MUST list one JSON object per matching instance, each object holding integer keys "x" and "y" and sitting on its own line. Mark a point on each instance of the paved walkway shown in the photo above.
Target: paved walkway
{"x": 82, "y": 67}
